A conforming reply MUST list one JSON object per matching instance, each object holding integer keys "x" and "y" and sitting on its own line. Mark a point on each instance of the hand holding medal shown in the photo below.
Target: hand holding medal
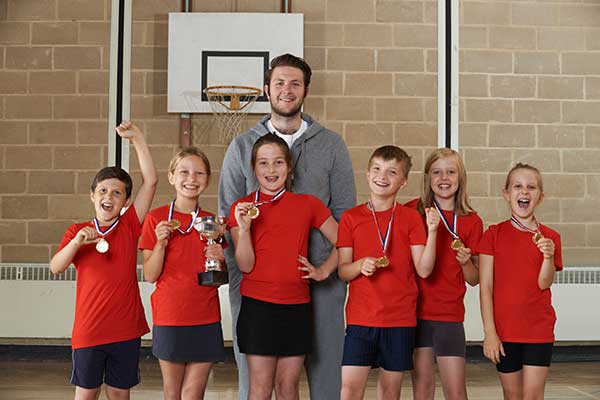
{"x": 163, "y": 231}
{"x": 87, "y": 235}
{"x": 546, "y": 246}
{"x": 368, "y": 266}
{"x": 242, "y": 215}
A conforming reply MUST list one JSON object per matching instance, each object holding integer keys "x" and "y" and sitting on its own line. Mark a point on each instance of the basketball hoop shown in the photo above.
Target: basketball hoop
{"x": 230, "y": 104}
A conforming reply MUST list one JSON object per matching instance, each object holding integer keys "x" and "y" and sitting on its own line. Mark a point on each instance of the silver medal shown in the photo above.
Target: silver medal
{"x": 102, "y": 246}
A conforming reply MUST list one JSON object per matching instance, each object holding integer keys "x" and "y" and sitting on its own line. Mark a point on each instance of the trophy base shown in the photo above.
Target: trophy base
{"x": 212, "y": 278}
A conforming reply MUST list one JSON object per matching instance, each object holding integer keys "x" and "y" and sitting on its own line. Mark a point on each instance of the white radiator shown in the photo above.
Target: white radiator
{"x": 575, "y": 296}
{"x": 36, "y": 304}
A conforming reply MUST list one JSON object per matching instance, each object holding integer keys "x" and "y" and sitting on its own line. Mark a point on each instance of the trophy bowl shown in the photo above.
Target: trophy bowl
{"x": 212, "y": 228}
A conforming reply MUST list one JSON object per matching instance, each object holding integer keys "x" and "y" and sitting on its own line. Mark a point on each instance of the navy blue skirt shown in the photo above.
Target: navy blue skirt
{"x": 199, "y": 343}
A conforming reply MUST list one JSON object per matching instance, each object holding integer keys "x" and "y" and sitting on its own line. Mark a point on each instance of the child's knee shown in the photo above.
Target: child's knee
{"x": 352, "y": 390}
{"x": 87, "y": 394}
{"x": 390, "y": 391}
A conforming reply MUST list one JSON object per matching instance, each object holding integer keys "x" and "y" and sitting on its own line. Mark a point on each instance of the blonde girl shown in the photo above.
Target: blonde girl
{"x": 440, "y": 334}
{"x": 186, "y": 337}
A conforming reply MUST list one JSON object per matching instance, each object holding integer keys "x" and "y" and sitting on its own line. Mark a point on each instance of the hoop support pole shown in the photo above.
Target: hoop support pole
{"x": 185, "y": 119}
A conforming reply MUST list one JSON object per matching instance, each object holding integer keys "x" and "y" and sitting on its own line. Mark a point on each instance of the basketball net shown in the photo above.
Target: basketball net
{"x": 230, "y": 104}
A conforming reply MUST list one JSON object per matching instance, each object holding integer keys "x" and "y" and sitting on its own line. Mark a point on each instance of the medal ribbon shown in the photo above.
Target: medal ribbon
{"x": 523, "y": 227}
{"x": 108, "y": 230}
{"x": 275, "y": 197}
{"x": 453, "y": 231}
{"x": 189, "y": 228}
{"x": 385, "y": 239}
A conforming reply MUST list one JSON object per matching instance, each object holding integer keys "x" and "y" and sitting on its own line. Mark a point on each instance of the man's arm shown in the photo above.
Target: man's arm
{"x": 341, "y": 181}
{"x": 232, "y": 182}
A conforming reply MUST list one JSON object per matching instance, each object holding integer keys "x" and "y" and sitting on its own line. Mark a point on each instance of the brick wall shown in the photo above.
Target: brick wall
{"x": 530, "y": 91}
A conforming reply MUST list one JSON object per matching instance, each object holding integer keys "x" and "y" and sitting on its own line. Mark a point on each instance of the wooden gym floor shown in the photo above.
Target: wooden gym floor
{"x": 46, "y": 380}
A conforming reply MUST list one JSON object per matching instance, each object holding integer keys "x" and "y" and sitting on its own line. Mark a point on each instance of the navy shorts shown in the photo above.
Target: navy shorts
{"x": 446, "y": 338}
{"x": 388, "y": 348}
{"x": 116, "y": 364}
{"x": 198, "y": 343}
{"x": 519, "y": 354}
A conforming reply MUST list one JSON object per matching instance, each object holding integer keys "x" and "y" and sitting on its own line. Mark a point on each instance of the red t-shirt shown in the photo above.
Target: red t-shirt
{"x": 178, "y": 299}
{"x": 522, "y": 311}
{"x": 388, "y": 298}
{"x": 441, "y": 294}
{"x": 279, "y": 235}
{"x": 108, "y": 307}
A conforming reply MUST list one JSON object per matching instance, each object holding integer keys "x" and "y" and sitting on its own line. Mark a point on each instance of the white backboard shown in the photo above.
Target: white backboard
{"x": 207, "y": 49}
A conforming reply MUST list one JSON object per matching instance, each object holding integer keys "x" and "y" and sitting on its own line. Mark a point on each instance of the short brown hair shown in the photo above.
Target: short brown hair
{"x": 289, "y": 60}
{"x": 113, "y": 173}
{"x": 389, "y": 152}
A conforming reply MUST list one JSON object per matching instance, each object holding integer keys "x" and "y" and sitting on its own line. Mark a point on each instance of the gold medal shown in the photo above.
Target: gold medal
{"x": 457, "y": 244}
{"x": 537, "y": 237}
{"x": 102, "y": 246}
{"x": 175, "y": 223}
{"x": 382, "y": 262}
{"x": 253, "y": 212}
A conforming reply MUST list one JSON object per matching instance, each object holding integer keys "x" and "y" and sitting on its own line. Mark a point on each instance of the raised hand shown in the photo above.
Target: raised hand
{"x": 163, "y": 232}
{"x": 128, "y": 130}
{"x": 546, "y": 246}
{"x": 432, "y": 218}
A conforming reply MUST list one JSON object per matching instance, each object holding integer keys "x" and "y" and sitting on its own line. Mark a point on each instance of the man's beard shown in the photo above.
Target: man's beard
{"x": 291, "y": 113}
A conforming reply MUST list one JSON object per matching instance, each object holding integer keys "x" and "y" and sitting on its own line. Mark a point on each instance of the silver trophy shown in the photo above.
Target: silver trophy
{"x": 212, "y": 228}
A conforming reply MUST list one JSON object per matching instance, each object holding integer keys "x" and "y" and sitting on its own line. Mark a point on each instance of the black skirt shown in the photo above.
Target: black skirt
{"x": 265, "y": 328}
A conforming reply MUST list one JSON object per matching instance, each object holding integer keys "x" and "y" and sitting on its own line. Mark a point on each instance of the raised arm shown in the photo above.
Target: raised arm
{"x": 548, "y": 269}
{"x": 424, "y": 256}
{"x": 145, "y": 193}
